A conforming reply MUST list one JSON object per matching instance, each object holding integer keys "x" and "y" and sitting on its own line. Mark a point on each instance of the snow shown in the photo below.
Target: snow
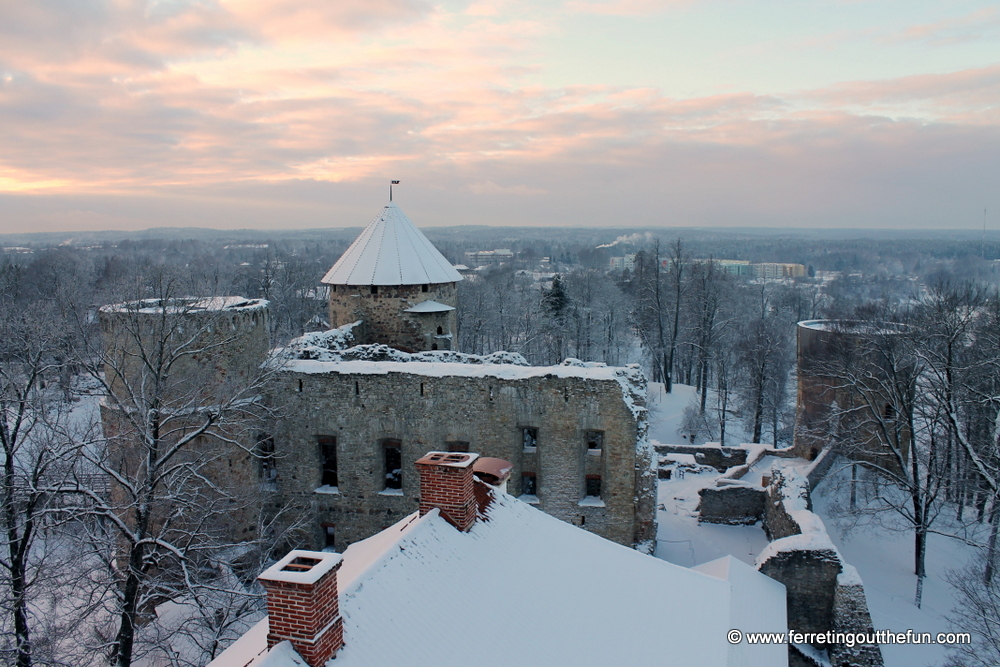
{"x": 680, "y": 539}
{"x": 591, "y": 501}
{"x": 884, "y": 560}
{"x": 326, "y": 488}
{"x": 279, "y": 571}
{"x": 391, "y": 251}
{"x": 561, "y": 594}
{"x": 429, "y": 306}
{"x": 189, "y": 304}
{"x": 666, "y": 415}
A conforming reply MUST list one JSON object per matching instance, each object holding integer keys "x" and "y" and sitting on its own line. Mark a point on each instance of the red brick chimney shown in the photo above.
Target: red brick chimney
{"x": 446, "y": 482}
{"x": 303, "y": 604}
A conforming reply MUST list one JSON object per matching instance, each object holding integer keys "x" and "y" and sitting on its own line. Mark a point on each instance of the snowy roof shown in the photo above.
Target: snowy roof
{"x": 429, "y": 306}
{"x": 526, "y": 588}
{"x": 391, "y": 251}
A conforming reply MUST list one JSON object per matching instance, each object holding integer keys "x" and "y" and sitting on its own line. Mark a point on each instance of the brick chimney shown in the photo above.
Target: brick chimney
{"x": 303, "y": 604}
{"x": 446, "y": 482}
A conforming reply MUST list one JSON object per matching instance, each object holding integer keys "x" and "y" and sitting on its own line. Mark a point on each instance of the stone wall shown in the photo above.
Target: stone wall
{"x": 810, "y": 579}
{"x": 734, "y": 503}
{"x": 385, "y": 320}
{"x": 710, "y": 454}
{"x": 850, "y": 614}
{"x": 190, "y": 358}
{"x": 212, "y": 345}
{"x": 823, "y": 592}
{"x": 485, "y": 414}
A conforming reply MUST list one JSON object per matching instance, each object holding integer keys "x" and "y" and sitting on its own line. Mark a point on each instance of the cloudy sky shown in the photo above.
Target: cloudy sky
{"x": 128, "y": 114}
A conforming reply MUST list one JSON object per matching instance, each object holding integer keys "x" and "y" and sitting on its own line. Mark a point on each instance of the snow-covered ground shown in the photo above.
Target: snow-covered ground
{"x": 680, "y": 539}
{"x": 666, "y": 414}
{"x": 884, "y": 559}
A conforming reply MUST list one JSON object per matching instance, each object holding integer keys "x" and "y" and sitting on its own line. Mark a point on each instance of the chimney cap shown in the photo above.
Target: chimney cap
{"x": 448, "y": 459}
{"x": 492, "y": 470}
{"x": 302, "y": 567}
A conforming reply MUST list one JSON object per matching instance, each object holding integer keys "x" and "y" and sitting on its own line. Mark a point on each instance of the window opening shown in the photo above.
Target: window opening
{"x": 328, "y": 459}
{"x": 392, "y": 453}
{"x": 593, "y": 484}
{"x": 440, "y": 331}
{"x": 529, "y": 484}
{"x": 457, "y": 445}
{"x": 594, "y": 440}
{"x": 889, "y": 412}
{"x": 300, "y": 386}
{"x": 421, "y": 388}
{"x": 424, "y": 288}
{"x": 265, "y": 453}
{"x": 329, "y": 536}
{"x": 374, "y": 289}
{"x": 529, "y": 437}
{"x": 434, "y": 346}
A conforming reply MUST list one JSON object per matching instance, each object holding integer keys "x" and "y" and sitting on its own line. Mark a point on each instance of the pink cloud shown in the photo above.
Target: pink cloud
{"x": 981, "y": 24}
{"x": 625, "y": 7}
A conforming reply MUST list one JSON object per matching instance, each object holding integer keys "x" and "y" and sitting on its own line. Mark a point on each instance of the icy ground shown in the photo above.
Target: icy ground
{"x": 884, "y": 559}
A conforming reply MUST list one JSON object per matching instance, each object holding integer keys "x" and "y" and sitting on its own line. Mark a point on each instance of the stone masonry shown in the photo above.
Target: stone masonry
{"x": 361, "y": 408}
{"x": 382, "y": 309}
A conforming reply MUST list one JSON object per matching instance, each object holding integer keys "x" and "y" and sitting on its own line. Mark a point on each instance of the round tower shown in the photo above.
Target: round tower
{"x": 398, "y": 284}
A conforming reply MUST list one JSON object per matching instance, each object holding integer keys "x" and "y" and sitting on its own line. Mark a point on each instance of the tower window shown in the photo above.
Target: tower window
{"x": 329, "y": 536}
{"x": 328, "y": 459}
{"x": 529, "y": 484}
{"x": 440, "y": 331}
{"x": 392, "y": 455}
{"x": 424, "y": 288}
{"x": 594, "y": 440}
{"x": 529, "y": 437}
{"x": 268, "y": 464}
{"x": 593, "y": 486}
{"x": 374, "y": 289}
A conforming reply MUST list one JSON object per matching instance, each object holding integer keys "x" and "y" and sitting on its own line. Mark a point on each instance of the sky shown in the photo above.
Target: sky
{"x": 282, "y": 114}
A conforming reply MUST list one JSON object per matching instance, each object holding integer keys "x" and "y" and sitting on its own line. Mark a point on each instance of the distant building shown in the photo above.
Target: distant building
{"x": 489, "y": 257}
{"x": 763, "y": 270}
{"x": 624, "y": 263}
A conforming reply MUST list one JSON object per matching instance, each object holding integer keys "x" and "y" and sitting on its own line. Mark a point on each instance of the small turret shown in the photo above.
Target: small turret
{"x": 398, "y": 284}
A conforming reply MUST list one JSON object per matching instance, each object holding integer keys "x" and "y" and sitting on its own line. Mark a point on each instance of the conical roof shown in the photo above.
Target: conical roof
{"x": 391, "y": 251}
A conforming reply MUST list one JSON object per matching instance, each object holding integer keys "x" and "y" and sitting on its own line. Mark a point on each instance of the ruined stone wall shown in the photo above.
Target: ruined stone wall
{"x": 209, "y": 349}
{"x": 830, "y": 409}
{"x": 735, "y": 504}
{"x": 385, "y": 320}
{"x": 710, "y": 454}
{"x": 850, "y": 614}
{"x": 427, "y": 413}
{"x": 215, "y": 477}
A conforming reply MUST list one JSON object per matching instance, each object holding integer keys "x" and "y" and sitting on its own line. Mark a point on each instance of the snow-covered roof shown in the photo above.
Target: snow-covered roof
{"x": 429, "y": 306}
{"x": 526, "y": 588}
{"x": 391, "y": 251}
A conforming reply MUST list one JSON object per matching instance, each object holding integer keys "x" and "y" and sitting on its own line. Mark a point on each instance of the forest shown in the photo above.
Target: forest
{"x": 675, "y": 310}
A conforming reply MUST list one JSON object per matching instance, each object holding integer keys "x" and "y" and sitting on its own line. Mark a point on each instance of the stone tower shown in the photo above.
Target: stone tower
{"x": 397, "y": 283}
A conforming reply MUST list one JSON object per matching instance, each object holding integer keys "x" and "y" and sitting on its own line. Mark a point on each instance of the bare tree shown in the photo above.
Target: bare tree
{"x": 33, "y": 455}
{"x": 181, "y": 379}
